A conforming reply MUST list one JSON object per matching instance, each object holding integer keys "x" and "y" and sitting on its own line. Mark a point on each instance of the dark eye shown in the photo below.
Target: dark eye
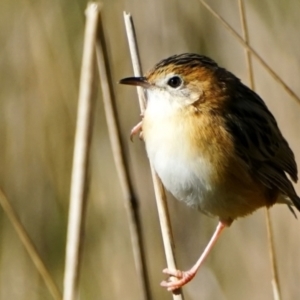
{"x": 174, "y": 82}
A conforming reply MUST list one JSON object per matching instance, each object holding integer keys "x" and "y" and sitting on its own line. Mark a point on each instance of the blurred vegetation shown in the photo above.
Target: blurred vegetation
{"x": 41, "y": 47}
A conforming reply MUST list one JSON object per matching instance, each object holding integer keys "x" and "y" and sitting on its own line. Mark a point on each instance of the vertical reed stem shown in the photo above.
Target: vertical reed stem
{"x": 160, "y": 196}
{"x": 246, "y": 38}
{"x": 80, "y": 158}
{"x": 130, "y": 201}
{"x": 275, "y": 278}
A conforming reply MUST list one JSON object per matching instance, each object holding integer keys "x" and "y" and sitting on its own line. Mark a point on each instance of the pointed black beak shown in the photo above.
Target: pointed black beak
{"x": 137, "y": 81}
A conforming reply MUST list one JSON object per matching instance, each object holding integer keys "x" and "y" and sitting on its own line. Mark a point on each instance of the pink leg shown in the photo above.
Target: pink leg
{"x": 136, "y": 129}
{"x": 186, "y": 276}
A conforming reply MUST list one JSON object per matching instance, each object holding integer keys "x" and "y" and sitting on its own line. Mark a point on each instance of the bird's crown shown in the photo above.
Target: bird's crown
{"x": 187, "y": 65}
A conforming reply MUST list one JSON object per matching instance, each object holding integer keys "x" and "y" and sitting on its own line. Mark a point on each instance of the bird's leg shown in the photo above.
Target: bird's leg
{"x": 186, "y": 276}
{"x": 137, "y": 129}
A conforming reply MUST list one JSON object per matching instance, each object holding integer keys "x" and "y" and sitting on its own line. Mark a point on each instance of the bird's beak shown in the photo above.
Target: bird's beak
{"x": 137, "y": 81}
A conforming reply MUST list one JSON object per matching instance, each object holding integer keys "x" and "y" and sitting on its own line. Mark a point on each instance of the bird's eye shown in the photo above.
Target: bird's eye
{"x": 174, "y": 82}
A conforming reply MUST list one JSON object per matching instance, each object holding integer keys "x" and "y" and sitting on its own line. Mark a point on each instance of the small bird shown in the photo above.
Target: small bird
{"x": 214, "y": 144}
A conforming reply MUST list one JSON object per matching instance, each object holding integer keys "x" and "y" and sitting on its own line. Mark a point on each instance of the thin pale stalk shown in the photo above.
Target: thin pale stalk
{"x": 81, "y": 154}
{"x": 275, "y": 278}
{"x": 253, "y": 52}
{"x": 160, "y": 196}
{"x": 246, "y": 39}
{"x": 272, "y": 253}
{"x": 135, "y": 58}
{"x": 29, "y": 246}
{"x": 130, "y": 201}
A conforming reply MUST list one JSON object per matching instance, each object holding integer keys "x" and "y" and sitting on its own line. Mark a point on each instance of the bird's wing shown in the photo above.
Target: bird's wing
{"x": 260, "y": 143}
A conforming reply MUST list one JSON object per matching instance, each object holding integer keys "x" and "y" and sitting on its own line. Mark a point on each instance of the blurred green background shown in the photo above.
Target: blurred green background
{"x": 41, "y": 47}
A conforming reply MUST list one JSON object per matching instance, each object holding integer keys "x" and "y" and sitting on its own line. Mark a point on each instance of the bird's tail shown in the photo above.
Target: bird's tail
{"x": 291, "y": 201}
{"x": 296, "y": 201}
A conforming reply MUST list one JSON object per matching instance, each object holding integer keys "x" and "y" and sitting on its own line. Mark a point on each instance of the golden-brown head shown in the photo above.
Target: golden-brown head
{"x": 212, "y": 140}
{"x": 184, "y": 79}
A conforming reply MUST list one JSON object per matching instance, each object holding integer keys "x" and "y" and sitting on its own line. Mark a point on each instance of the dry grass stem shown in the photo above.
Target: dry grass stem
{"x": 160, "y": 196}
{"x": 272, "y": 253}
{"x": 275, "y": 278}
{"x": 80, "y": 158}
{"x": 135, "y": 59}
{"x": 130, "y": 201}
{"x": 253, "y": 52}
{"x": 246, "y": 39}
{"x": 29, "y": 246}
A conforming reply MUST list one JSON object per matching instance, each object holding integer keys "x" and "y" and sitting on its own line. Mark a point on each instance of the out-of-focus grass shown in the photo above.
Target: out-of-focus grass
{"x": 41, "y": 45}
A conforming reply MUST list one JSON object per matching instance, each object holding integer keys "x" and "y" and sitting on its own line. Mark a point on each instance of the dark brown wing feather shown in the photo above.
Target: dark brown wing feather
{"x": 260, "y": 143}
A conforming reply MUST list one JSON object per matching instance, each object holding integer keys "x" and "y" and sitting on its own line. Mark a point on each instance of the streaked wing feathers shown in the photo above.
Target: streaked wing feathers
{"x": 260, "y": 143}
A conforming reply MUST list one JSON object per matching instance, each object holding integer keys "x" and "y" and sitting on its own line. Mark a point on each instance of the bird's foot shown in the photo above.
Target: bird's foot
{"x": 137, "y": 129}
{"x": 183, "y": 277}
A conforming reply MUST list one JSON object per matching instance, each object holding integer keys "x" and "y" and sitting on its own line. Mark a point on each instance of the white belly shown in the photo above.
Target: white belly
{"x": 183, "y": 171}
{"x": 187, "y": 179}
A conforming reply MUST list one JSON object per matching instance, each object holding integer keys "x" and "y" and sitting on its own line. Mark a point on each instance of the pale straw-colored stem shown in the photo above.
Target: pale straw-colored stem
{"x": 160, "y": 195}
{"x": 275, "y": 277}
{"x": 130, "y": 201}
{"x": 29, "y": 246}
{"x": 272, "y": 253}
{"x": 81, "y": 154}
{"x": 246, "y": 39}
{"x": 253, "y": 52}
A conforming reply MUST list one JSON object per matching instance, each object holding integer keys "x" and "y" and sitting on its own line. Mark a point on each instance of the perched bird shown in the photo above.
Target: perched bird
{"x": 213, "y": 143}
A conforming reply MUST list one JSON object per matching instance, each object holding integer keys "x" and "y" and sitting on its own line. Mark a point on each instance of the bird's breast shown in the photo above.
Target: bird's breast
{"x": 185, "y": 170}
